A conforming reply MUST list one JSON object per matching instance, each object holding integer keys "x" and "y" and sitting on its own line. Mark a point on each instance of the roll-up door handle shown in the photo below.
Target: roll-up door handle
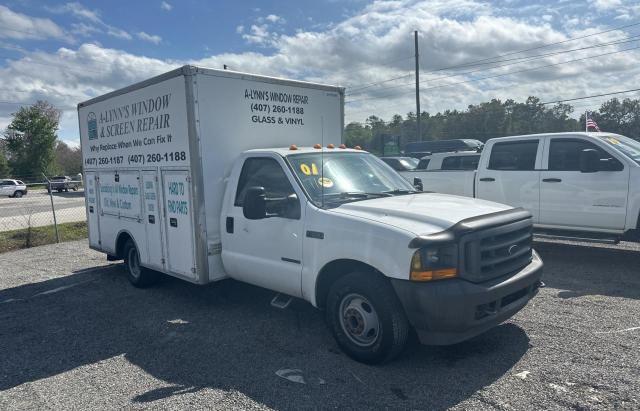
{"x": 487, "y": 179}
{"x": 552, "y": 180}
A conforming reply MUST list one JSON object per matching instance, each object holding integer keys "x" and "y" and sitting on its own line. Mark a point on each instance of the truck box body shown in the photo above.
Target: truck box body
{"x": 156, "y": 155}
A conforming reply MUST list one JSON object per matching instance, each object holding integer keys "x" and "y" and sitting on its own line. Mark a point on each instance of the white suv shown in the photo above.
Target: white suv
{"x": 12, "y": 188}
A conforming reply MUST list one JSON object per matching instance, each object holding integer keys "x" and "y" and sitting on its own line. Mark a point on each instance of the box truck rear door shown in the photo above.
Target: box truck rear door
{"x": 178, "y": 222}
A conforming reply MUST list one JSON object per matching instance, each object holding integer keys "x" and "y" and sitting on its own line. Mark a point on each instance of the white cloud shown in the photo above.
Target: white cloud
{"x": 151, "y": 38}
{"x": 76, "y": 9}
{"x": 607, "y": 4}
{"x": 97, "y": 25}
{"x": 240, "y": 29}
{"x": 275, "y": 19}
{"x": 259, "y": 34}
{"x": 166, "y": 6}
{"x": 20, "y": 26}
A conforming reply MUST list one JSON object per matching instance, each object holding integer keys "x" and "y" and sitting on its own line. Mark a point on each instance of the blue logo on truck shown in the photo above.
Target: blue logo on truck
{"x": 92, "y": 125}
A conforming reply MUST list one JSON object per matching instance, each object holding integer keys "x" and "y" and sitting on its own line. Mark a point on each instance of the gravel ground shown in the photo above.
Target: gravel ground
{"x": 75, "y": 335}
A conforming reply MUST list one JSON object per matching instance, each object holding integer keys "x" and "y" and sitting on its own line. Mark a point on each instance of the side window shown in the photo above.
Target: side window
{"x": 564, "y": 155}
{"x": 451, "y": 163}
{"x": 423, "y": 164}
{"x": 516, "y": 156}
{"x": 263, "y": 172}
{"x": 470, "y": 162}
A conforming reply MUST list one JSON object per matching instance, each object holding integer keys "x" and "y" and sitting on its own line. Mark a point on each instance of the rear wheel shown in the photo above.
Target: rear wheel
{"x": 17, "y": 194}
{"x": 366, "y": 318}
{"x": 138, "y": 276}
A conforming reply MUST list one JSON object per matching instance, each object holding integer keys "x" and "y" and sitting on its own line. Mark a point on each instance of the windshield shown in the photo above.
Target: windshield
{"x": 627, "y": 146}
{"x": 341, "y": 177}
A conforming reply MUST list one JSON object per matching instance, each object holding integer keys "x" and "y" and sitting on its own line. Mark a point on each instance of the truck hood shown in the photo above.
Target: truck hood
{"x": 421, "y": 214}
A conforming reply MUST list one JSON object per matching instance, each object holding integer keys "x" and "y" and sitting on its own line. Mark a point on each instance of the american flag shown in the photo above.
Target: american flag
{"x": 591, "y": 123}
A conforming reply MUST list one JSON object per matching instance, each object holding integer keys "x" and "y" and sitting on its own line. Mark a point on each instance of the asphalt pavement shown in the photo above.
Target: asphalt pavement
{"x": 75, "y": 335}
{"x": 35, "y": 209}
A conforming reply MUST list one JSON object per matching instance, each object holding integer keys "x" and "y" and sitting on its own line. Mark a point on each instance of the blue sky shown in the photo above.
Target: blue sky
{"x": 66, "y": 52}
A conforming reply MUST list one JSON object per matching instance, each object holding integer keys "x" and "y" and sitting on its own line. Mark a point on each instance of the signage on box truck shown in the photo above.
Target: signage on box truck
{"x": 146, "y": 127}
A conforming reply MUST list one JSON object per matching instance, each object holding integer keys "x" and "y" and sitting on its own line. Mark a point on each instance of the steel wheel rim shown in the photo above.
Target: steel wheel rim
{"x": 359, "y": 320}
{"x": 134, "y": 262}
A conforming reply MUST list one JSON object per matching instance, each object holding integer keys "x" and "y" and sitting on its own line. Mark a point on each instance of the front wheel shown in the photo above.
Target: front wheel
{"x": 17, "y": 194}
{"x": 138, "y": 276}
{"x": 366, "y": 318}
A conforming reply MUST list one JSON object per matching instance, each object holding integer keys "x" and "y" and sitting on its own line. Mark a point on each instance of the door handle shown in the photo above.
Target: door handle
{"x": 229, "y": 223}
{"x": 487, "y": 179}
{"x": 552, "y": 180}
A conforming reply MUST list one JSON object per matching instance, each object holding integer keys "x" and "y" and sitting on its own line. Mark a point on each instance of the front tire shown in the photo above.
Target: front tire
{"x": 366, "y": 318}
{"x": 17, "y": 194}
{"x": 138, "y": 276}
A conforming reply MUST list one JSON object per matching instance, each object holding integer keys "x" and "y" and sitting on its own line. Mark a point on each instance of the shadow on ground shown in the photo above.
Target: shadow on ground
{"x": 579, "y": 270}
{"x": 226, "y": 336}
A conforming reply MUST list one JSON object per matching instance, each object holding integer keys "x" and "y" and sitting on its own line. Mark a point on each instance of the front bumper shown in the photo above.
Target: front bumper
{"x": 450, "y": 311}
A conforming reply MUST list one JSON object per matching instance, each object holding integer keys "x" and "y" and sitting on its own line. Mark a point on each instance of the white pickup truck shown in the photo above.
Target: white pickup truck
{"x": 576, "y": 185}
{"x": 186, "y": 175}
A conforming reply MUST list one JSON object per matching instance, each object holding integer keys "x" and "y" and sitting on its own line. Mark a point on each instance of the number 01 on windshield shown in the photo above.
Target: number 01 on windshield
{"x": 307, "y": 171}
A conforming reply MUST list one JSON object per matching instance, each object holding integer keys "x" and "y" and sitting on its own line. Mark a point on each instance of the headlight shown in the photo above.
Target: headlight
{"x": 434, "y": 263}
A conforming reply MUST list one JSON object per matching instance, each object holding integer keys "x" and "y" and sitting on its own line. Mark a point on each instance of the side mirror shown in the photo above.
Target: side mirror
{"x": 254, "y": 206}
{"x": 589, "y": 161}
{"x": 417, "y": 184}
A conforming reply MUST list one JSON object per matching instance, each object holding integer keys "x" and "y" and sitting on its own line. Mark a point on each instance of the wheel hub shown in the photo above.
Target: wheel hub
{"x": 359, "y": 320}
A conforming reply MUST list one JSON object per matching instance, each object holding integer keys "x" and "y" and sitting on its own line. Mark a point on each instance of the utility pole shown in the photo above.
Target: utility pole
{"x": 418, "y": 129}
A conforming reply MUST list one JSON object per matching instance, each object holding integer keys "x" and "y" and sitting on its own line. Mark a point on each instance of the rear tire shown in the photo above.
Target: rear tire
{"x": 138, "y": 276}
{"x": 366, "y": 318}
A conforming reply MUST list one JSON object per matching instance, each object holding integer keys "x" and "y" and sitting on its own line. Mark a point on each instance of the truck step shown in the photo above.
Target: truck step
{"x": 281, "y": 301}
{"x": 597, "y": 239}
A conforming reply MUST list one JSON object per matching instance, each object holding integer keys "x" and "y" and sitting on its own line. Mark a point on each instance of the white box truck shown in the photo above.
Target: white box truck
{"x": 196, "y": 174}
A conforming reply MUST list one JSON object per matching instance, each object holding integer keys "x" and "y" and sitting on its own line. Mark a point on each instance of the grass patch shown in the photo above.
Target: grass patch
{"x": 35, "y": 236}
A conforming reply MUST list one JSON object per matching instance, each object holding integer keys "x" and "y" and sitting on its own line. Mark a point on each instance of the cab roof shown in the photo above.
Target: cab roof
{"x": 287, "y": 151}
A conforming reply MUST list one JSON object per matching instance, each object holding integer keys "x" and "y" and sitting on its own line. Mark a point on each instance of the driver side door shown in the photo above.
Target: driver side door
{"x": 265, "y": 252}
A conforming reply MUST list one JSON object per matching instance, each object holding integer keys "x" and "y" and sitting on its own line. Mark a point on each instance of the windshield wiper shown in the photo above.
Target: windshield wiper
{"x": 357, "y": 194}
{"x": 401, "y": 191}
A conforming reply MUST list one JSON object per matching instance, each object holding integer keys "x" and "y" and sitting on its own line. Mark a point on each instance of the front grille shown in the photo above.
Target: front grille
{"x": 497, "y": 251}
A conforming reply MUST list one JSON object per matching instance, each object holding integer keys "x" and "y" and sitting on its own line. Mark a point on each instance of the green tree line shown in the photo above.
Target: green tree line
{"x": 494, "y": 118}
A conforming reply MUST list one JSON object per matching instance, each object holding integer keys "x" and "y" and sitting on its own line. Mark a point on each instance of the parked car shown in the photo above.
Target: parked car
{"x": 13, "y": 188}
{"x": 401, "y": 163}
{"x": 576, "y": 185}
{"x": 63, "y": 183}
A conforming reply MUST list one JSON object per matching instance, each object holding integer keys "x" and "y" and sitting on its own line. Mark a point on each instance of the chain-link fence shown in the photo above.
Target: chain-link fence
{"x": 35, "y": 211}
